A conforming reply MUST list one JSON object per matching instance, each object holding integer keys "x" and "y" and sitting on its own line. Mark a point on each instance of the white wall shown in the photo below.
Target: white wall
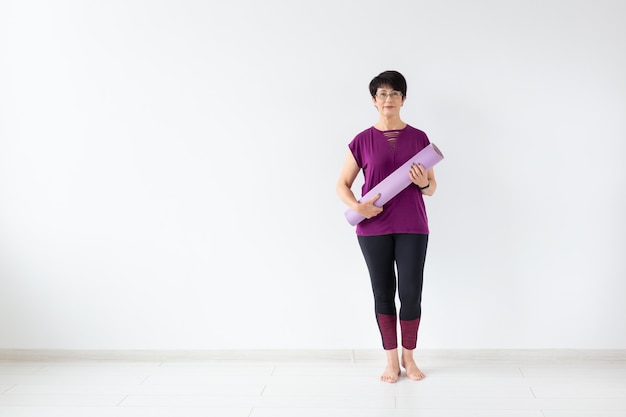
{"x": 167, "y": 171}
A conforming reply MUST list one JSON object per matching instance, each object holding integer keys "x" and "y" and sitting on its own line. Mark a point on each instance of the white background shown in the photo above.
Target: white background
{"x": 168, "y": 168}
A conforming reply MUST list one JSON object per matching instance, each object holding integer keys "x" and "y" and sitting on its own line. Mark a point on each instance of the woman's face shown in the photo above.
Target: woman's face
{"x": 388, "y": 101}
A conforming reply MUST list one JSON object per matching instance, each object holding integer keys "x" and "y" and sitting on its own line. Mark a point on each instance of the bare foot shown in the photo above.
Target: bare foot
{"x": 412, "y": 371}
{"x": 391, "y": 374}
{"x": 392, "y": 371}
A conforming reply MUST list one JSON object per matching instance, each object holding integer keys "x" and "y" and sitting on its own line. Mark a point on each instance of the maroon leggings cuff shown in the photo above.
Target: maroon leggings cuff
{"x": 388, "y": 330}
{"x": 409, "y": 333}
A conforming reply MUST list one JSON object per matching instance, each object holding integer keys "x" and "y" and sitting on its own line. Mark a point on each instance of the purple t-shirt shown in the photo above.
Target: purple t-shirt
{"x": 378, "y": 154}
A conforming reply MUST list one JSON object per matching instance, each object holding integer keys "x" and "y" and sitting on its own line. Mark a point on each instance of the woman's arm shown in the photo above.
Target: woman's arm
{"x": 433, "y": 183}
{"x": 425, "y": 180}
{"x": 344, "y": 189}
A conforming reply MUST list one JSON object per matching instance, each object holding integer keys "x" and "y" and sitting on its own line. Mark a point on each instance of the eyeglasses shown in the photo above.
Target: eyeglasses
{"x": 393, "y": 95}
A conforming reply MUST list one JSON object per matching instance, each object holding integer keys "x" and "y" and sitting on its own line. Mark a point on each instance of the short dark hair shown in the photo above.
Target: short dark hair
{"x": 391, "y": 78}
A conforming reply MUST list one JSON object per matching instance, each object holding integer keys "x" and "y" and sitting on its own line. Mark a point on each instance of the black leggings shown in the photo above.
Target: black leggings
{"x": 383, "y": 255}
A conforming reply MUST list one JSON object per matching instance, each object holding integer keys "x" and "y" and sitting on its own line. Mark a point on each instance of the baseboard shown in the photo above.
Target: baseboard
{"x": 584, "y": 356}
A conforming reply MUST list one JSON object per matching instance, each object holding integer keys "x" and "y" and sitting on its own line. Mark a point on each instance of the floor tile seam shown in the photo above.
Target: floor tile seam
{"x": 521, "y": 371}
{"x": 10, "y": 387}
{"x": 39, "y": 370}
{"x": 122, "y": 400}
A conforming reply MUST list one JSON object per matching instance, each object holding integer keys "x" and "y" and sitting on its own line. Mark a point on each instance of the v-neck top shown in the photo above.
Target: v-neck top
{"x": 379, "y": 153}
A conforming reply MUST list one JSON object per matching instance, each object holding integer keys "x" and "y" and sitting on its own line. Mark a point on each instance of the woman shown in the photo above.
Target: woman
{"x": 394, "y": 236}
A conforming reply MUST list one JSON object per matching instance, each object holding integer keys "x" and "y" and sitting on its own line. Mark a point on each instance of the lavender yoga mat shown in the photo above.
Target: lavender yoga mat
{"x": 397, "y": 181}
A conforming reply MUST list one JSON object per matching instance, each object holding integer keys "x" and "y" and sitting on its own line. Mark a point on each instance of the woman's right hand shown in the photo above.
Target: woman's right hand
{"x": 367, "y": 209}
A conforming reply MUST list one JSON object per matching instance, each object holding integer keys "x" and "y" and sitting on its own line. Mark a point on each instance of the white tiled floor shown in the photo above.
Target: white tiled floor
{"x": 311, "y": 384}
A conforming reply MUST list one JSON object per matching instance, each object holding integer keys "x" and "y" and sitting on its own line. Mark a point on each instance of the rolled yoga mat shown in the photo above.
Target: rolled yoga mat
{"x": 397, "y": 181}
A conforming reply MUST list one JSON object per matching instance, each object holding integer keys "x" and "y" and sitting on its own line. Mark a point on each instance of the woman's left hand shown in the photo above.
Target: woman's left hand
{"x": 418, "y": 175}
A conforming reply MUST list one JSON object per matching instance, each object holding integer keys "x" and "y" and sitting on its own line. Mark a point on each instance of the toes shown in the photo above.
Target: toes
{"x": 416, "y": 376}
{"x": 389, "y": 378}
